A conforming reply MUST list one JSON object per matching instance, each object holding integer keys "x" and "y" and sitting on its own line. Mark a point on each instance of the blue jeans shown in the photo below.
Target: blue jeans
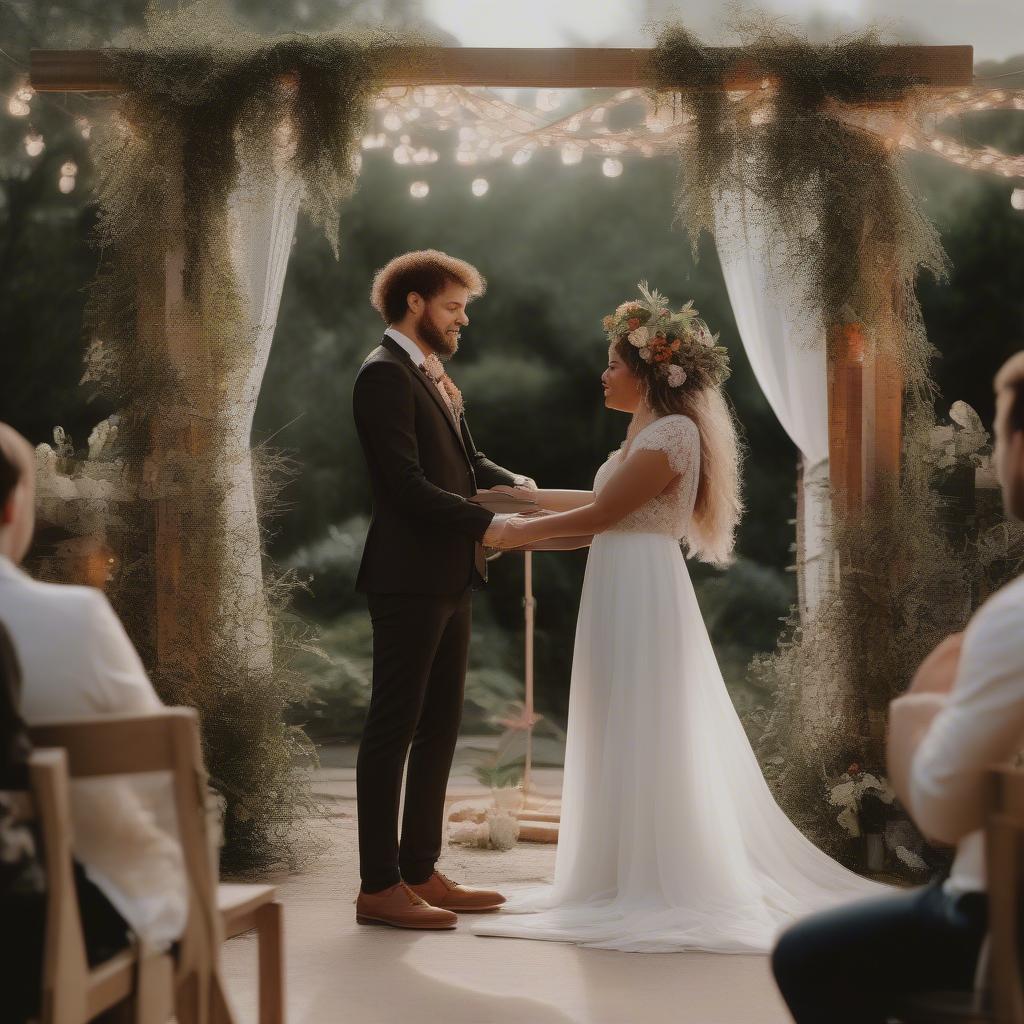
{"x": 855, "y": 964}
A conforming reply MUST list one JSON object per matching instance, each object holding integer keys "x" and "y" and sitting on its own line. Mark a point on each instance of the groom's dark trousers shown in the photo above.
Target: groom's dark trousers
{"x": 421, "y": 561}
{"x": 857, "y": 963}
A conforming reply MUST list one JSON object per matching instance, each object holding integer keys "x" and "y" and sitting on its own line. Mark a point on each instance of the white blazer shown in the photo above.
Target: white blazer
{"x": 76, "y": 661}
{"x": 980, "y": 723}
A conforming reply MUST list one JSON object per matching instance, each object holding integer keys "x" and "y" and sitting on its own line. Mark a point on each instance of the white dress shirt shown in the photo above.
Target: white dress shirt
{"x": 410, "y": 346}
{"x": 979, "y": 724}
{"x": 76, "y": 661}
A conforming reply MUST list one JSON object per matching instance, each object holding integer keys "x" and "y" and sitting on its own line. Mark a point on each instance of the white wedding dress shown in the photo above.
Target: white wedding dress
{"x": 670, "y": 839}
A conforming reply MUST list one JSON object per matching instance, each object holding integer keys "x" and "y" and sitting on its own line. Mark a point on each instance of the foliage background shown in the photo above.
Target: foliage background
{"x": 560, "y": 246}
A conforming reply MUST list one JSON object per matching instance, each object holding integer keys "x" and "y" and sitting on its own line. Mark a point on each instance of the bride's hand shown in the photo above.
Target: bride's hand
{"x": 519, "y": 530}
{"x": 518, "y": 489}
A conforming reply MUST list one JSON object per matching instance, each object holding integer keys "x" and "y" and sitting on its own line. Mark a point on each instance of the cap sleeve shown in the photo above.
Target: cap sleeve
{"x": 677, "y": 436}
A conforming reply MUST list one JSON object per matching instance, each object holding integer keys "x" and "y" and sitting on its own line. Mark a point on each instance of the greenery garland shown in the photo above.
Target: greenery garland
{"x": 202, "y": 100}
{"x": 858, "y": 237}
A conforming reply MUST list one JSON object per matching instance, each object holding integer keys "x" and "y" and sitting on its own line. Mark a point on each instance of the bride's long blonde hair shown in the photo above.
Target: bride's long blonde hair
{"x": 719, "y": 504}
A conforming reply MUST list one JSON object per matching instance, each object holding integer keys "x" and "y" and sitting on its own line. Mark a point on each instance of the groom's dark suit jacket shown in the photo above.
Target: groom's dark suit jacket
{"x": 424, "y": 534}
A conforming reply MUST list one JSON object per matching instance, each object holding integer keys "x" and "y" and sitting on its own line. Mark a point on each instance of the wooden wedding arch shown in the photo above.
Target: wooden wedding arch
{"x": 865, "y": 391}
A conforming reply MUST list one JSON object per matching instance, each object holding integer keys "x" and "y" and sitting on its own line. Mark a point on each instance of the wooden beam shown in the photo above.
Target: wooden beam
{"x": 939, "y": 67}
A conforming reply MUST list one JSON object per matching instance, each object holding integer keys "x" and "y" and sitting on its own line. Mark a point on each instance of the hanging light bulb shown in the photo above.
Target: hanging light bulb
{"x": 611, "y": 168}
{"x": 17, "y": 108}
{"x": 419, "y": 189}
{"x": 421, "y": 155}
{"x": 481, "y": 185}
{"x": 83, "y": 126}
{"x": 465, "y": 157}
{"x": 402, "y": 154}
{"x": 1017, "y": 198}
{"x": 521, "y": 156}
{"x": 69, "y": 168}
{"x": 66, "y": 183}
{"x": 392, "y": 122}
{"x": 572, "y": 153}
{"x": 34, "y": 144}
{"x": 25, "y": 93}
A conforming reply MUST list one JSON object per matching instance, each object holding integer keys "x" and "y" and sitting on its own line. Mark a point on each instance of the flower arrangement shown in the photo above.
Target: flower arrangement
{"x": 678, "y": 346}
{"x": 849, "y": 792}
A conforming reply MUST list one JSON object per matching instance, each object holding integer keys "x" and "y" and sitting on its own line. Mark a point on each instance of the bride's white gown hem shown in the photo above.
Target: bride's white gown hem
{"x": 670, "y": 838}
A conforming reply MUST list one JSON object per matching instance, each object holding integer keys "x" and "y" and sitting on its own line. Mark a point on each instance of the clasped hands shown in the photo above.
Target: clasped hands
{"x": 509, "y": 531}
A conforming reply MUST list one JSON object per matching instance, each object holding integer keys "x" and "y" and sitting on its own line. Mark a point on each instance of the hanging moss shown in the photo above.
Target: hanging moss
{"x": 202, "y": 103}
{"x": 850, "y": 228}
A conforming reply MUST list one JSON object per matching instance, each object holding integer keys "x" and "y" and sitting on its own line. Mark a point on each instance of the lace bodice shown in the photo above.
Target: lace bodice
{"x": 669, "y": 512}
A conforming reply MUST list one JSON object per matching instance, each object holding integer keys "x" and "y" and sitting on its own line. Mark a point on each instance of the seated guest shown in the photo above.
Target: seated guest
{"x": 963, "y": 712}
{"x": 22, "y": 884}
{"x": 76, "y": 662}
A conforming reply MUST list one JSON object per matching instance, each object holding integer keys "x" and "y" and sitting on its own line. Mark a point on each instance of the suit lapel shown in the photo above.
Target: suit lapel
{"x": 395, "y": 349}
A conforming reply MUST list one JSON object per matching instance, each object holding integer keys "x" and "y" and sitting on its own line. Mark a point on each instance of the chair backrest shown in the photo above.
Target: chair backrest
{"x": 166, "y": 741}
{"x": 65, "y": 967}
{"x": 1004, "y": 854}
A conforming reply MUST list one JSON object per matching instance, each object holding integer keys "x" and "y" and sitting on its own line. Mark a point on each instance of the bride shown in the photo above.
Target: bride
{"x": 670, "y": 838}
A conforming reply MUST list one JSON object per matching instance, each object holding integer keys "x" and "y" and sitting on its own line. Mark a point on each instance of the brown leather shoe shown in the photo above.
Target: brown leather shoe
{"x": 439, "y": 891}
{"x": 400, "y": 907}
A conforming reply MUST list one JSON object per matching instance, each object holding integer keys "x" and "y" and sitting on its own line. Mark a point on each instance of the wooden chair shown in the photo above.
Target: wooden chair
{"x": 130, "y": 986}
{"x": 169, "y": 741}
{"x": 998, "y": 996}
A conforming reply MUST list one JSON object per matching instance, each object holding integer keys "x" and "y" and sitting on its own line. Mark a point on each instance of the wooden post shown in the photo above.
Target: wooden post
{"x": 845, "y": 371}
{"x": 529, "y": 604}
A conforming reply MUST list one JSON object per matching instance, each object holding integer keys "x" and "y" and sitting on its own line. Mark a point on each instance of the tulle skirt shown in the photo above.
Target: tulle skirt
{"x": 670, "y": 838}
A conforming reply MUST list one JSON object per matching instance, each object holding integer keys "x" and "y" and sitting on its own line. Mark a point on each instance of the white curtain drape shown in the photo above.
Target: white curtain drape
{"x": 787, "y": 355}
{"x": 262, "y": 214}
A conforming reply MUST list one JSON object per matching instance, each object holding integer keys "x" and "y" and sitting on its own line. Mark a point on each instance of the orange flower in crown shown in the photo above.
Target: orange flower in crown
{"x": 679, "y": 345}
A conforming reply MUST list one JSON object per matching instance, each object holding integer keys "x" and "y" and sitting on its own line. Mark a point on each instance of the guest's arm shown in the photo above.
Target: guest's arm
{"x": 980, "y": 724}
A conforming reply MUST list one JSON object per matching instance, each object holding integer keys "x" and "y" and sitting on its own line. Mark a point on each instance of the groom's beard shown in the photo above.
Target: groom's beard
{"x": 445, "y": 345}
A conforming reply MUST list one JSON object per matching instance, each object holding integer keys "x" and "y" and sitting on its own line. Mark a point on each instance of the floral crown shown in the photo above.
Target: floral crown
{"x": 678, "y": 346}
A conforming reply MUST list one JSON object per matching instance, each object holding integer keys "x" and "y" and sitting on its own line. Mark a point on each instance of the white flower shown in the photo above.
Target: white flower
{"x": 705, "y": 337}
{"x": 676, "y": 375}
{"x": 504, "y": 830}
{"x": 911, "y": 859}
{"x": 640, "y": 337}
{"x": 645, "y": 354}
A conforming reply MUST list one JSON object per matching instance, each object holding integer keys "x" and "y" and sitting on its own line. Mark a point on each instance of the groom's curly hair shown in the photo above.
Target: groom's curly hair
{"x": 426, "y": 272}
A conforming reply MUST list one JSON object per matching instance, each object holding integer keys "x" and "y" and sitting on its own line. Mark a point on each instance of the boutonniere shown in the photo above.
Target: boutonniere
{"x": 434, "y": 369}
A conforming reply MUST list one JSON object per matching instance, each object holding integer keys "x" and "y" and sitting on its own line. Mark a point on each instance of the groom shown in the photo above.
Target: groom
{"x": 423, "y": 557}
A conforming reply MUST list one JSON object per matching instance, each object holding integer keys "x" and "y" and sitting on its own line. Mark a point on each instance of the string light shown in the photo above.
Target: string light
{"x": 17, "y": 107}
{"x": 1017, "y": 198}
{"x": 402, "y": 154}
{"x": 480, "y": 186}
{"x": 392, "y": 121}
{"x": 419, "y": 190}
{"x": 611, "y": 167}
{"x": 83, "y": 126}
{"x": 34, "y": 144}
{"x": 521, "y": 156}
{"x": 572, "y": 153}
